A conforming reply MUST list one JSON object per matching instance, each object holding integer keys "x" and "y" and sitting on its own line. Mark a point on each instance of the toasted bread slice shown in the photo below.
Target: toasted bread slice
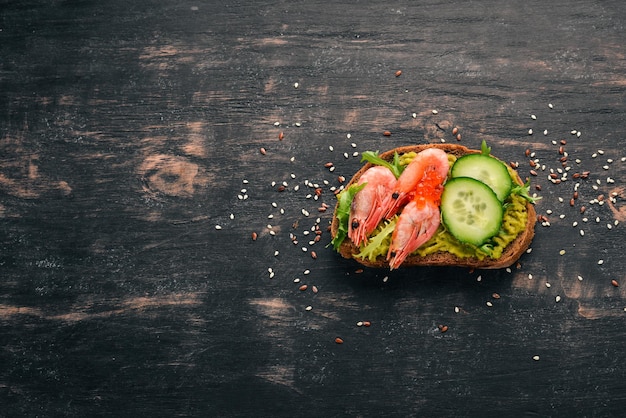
{"x": 510, "y": 255}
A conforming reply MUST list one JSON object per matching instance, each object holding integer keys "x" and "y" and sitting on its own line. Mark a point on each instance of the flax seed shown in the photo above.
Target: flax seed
{"x": 254, "y": 236}
{"x": 338, "y": 340}
{"x": 263, "y": 151}
{"x": 313, "y": 255}
{"x": 303, "y": 288}
{"x": 614, "y": 283}
{"x": 387, "y": 133}
{"x": 398, "y": 73}
{"x": 281, "y": 136}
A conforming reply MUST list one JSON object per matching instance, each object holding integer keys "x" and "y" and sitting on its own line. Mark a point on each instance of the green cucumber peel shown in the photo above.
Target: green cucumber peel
{"x": 345, "y": 199}
{"x": 373, "y": 157}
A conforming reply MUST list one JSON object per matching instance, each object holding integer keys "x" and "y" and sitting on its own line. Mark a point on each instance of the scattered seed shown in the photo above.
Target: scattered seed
{"x": 338, "y": 340}
{"x": 281, "y": 136}
{"x": 263, "y": 151}
{"x": 398, "y": 73}
{"x": 218, "y": 227}
{"x": 443, "y": 328}
{"x": 455, "y": 130}
{"x": 308, "y": 308}
{"x": 557, "y": 299}
{"x": 387, "y": 133}
{"x": 303, "y": 288}
{"x": 313, "y": 255}
{"x": 435, "y": 111}
{"x": 614, "y": 283}
{"x": 367, "y": 323}
{"x": 536, "y": 358}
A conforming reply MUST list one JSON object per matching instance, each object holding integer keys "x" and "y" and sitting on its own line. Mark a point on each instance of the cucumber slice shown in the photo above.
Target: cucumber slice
{"x": 470, "y": 210}
{"x": 487, "y": 169}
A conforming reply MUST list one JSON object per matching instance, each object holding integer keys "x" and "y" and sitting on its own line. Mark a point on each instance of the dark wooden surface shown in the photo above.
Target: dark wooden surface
{"x": 128, "y": 128}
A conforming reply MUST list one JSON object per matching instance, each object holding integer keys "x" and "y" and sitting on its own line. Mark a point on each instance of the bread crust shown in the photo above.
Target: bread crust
{"x": 509, "y": 256}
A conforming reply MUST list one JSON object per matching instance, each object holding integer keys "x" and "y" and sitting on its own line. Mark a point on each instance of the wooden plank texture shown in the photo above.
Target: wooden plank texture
{"x": 132, "y": 178}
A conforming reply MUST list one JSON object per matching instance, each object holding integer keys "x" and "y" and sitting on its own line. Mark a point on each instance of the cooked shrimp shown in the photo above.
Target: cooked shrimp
{"x": 420, "y": 218}
{"x": 417, "y": 223}
{"x": 418, "y": 175}
{"x": 367, "y": 208}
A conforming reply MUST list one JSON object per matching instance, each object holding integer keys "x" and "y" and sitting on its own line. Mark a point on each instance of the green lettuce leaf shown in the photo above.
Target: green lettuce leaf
{"x": 379, "y": 243}
{"x": 343, "y": 213}
{"x": 395, "y": 166}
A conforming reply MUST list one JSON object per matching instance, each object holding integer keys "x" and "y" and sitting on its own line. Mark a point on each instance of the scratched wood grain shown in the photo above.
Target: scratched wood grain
{"x": 130, "y": 130}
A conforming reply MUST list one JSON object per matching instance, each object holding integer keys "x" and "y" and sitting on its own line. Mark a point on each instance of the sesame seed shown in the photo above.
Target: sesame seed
{"x": 331, "y": 148}
{"x": 580, "y": 278}
{"x": 276, "y": 123}
{"x": 308, "y": 308}
{"x": 562, "y": 252}
{"x": 600, "y": 262}
{"x": 296, "y": 85}
{"x": 414, "y": 115}
{"x": 536, "y": 358}
{"x": 550, "y": 105}
{"x": 533, "y": 117}
{"x": 530, "y": 276}
{"x": 557, "y": 299}
{"x": 489, "y": 304}
{"x": 435, "y": 111}
{"x": 548, "y": 285}
{"x": 306, "y": 271}
{"x": 530, "y": 132}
